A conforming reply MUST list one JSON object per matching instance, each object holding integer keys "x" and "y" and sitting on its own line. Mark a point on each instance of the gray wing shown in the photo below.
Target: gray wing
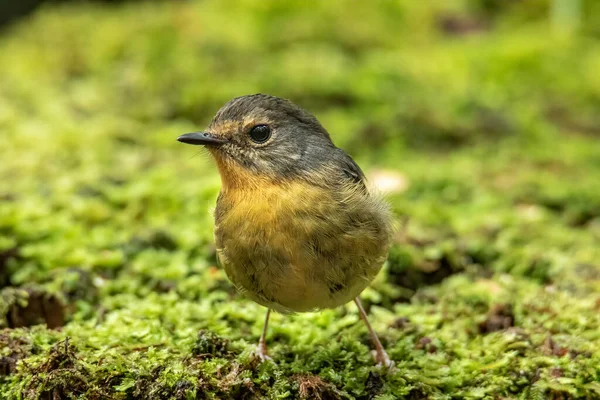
{"x": 350, "y": 169}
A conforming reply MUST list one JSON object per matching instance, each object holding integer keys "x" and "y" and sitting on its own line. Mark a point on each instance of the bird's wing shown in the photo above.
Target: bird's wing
{"x": 350, "y": 169}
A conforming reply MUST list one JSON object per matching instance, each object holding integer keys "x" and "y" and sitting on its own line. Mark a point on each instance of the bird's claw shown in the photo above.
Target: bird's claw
{"x": 262, "y": 353}
{"x": 383, "y": 360}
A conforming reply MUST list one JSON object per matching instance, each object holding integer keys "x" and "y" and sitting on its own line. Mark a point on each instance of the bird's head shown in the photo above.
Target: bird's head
{"x": 264, "y": 137}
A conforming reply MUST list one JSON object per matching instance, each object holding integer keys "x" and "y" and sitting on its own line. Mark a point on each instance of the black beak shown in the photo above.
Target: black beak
{"x": 200, "y": 138}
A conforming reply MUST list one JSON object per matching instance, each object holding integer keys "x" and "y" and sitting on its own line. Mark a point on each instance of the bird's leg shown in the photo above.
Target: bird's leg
{"x": 381, "y": 356}
{"x": 262, "y": 342}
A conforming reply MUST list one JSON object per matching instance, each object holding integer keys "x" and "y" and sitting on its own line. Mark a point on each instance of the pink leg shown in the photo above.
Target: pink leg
{"x": 381, "y": 356}
{"x": 262, "y": 342}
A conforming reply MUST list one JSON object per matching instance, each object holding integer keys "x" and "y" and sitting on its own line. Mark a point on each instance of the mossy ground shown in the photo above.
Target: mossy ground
{"x": 489, "y": 111}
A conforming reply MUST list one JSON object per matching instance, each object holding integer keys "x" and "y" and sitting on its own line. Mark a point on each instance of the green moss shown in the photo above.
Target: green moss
{"x": 492, "y": 287}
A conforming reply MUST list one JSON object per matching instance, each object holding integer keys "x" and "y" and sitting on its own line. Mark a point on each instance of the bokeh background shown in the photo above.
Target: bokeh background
{"x": 480, "y": 117}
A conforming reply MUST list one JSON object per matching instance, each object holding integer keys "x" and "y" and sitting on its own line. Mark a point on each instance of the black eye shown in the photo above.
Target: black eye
{"x": 260, "y": 133}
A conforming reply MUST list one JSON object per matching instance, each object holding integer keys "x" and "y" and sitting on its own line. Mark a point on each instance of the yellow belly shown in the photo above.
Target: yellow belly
{"x": 296, "y": 247}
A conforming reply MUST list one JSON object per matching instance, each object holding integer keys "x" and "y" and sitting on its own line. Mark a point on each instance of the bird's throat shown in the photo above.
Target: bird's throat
{"x": 236, "y": 177}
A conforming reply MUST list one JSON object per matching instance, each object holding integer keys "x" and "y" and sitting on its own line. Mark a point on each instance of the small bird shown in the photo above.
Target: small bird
{"x": 296, "y": 227}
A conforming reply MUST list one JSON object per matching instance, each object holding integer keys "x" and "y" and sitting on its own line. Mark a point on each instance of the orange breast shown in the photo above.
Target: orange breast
{"x": 293, "y": 246}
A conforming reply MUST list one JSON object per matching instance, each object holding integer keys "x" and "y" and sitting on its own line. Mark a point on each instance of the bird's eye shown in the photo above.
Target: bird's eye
{"x": 260, "y": 133}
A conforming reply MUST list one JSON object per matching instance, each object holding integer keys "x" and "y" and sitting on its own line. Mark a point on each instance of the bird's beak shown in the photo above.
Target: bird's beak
{"x": 200, "y": 138}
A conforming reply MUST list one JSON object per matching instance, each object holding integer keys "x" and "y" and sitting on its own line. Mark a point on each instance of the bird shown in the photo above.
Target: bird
{"x": 297, "y": 227}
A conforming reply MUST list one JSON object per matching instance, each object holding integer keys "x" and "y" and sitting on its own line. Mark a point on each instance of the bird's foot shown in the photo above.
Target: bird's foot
{"x": 262, "y": 353}
{"x": 383, "y": 360}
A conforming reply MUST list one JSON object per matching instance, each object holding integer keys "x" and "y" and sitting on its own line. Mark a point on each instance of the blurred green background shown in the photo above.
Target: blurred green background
{"x": 485, "y": 113}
